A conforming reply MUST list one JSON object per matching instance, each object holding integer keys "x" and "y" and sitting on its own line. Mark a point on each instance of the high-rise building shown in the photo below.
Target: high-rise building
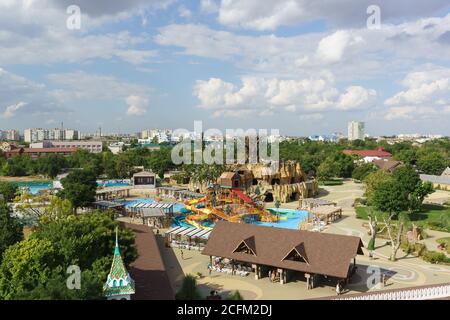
{"x": 356, "y": 130}
{"x": 39, "y": 134}
{"x": 9, "y": 135}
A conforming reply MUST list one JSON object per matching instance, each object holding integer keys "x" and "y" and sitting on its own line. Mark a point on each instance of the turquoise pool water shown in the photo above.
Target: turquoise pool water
{"x": 113, "y": 183}
{"x": 33, "y": 188}
{"x": 292, "y": 221}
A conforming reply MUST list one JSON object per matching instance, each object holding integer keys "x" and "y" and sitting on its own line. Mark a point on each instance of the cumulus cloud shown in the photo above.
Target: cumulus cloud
{"x": 137, "y": 105}
{"x": 331, "y": 48}
{"x": 33, "y": 97}
{"x": 426, "y": 94}
{"x": 34, "y": 32}
{"x": 351, "y": 53}
{"x": 263, "y": 96}
{"x": 269, "y": 15}
{"x": 356, "y": 97}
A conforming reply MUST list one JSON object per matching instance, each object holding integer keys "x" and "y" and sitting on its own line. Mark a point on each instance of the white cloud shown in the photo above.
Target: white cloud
{"x": 34, "y": 32}
{"x": 269, "y": 15}
{"x": 11, "y": 110}
{"x": 426, "y": 95}
{"x": 357, "y": 97}
{"x": 331, "y": 48}
{"x": 80, "y": 85}
{"x": 137, "y": 105}
{"x": 351, "y": 53}
{"x": 264, "y": 96}
{"x": 208, "y": 6}
{"x": 184, "y": 12}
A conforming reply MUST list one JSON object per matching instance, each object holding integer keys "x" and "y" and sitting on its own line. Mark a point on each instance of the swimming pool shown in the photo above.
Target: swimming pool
{"x": 33, "y": 187}
{"x": 289, "y": 219}
{"x": 113, "y": 183}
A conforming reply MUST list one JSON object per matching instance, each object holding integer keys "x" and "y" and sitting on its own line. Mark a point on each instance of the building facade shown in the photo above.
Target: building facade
{"x": 91, "y": 146}
{"x": 32, "y": 135}
{"x": 356, "y": 130}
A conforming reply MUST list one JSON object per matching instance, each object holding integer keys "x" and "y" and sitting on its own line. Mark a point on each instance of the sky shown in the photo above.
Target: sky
{"x": 301, "y": 66}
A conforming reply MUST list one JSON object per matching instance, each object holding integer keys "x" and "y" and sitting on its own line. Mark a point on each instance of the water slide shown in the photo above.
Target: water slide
{"x": 243, "y": 196}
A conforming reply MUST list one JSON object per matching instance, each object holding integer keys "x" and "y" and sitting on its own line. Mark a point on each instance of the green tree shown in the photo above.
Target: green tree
{"x": 50, "y": 165}
{"x": 433, "y": 163}
{"x": 25, "y": 265}
{"x": 373, "y": 181}
{"x": 326, "y": 170}
{"x": 8, "y": 190}
{"x": 391, "y": 198}
{"x": 10, "y": 228}
{"x": 189, "y": 290}
{"x": 80, "y": 187}
{"x": 363, "y": 170}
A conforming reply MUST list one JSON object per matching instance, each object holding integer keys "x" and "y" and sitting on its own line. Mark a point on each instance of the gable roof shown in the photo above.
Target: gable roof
{"x": 144, "y": 174}
{"x": 249, "y": 243}
{"x": 388, "y": 165}
{"x": 327, "y": 254}
{"x": 300, "y": 249}
{"x": 229, "y": 175}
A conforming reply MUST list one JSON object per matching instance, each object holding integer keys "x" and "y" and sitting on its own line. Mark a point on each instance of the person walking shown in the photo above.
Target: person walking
{"x": 182, "y": 254}
{"x": 338, "y": 288}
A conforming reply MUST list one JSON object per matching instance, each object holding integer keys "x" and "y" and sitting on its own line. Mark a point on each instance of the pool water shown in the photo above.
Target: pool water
{"x": 289, "y": 219}
{"x": 113, "y": 183}
{"x": 34, "y": 188}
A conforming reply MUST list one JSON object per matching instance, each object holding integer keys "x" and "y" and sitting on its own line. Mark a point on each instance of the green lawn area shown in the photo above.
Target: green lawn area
{"x": 431, "y": 216}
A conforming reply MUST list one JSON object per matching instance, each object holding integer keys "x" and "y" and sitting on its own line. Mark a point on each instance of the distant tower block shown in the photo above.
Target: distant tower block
{"x": 356, "y": 130}
{"x": 119, "y": 285}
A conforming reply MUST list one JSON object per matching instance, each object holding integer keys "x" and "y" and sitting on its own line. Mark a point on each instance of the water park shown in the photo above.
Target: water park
{"x": 233, "y": 205}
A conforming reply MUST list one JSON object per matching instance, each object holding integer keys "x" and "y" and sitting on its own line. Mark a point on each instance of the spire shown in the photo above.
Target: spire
{"x": 116, "y": 249}
{"x": 119, "y": 282}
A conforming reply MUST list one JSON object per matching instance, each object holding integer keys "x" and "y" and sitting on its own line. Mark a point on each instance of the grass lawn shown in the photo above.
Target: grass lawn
{"x": 442, "y": 240}
{"x": 434, "y": 217}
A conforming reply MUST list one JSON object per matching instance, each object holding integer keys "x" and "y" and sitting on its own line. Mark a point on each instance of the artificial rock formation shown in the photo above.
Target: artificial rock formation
{"x": 288, "y": 184}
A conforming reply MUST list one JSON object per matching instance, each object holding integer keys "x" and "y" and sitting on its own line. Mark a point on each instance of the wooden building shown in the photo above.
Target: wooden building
{"x": 288, "y": 253}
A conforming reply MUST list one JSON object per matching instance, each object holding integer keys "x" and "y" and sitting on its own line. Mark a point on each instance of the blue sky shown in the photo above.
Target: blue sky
{"x": 300, "y": 66}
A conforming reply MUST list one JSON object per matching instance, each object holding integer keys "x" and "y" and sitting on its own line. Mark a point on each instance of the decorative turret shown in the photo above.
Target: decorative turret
{"x": 119, "y": 285}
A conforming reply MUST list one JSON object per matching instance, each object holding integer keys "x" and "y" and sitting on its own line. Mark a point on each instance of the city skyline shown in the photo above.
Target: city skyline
{"x": 145, "y": 64}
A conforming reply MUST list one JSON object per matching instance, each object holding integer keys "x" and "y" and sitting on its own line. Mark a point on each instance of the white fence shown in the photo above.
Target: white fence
{"x": 419, "y": 293}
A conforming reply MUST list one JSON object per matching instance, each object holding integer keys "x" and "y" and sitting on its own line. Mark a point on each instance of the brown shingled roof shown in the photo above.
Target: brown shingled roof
{"x": 326, "y": 254}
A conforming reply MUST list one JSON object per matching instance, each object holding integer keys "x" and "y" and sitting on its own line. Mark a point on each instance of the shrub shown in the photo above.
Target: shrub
{"x": 236, "y": 295}
{"x": 188, "y": 289}
{"x": 436, "y": 257}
